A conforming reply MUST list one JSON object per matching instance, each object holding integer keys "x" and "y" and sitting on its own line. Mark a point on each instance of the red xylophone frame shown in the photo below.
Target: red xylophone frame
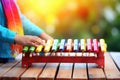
{"x": 99, "y": 60}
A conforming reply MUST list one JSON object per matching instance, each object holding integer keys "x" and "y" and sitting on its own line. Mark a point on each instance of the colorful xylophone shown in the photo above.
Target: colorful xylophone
{"x": 66, "y": 51}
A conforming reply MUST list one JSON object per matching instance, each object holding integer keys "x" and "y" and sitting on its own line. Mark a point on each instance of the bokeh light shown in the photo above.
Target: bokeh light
{"x": 76, "y": 18}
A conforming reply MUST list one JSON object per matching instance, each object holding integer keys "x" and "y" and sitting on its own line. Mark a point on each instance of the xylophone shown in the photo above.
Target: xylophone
{"x": 66, "y": 51}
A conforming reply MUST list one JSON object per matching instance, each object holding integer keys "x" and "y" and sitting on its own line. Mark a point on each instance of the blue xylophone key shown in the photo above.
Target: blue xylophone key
{"x": 62, "y": 45}
{"x": 76, "y": 45}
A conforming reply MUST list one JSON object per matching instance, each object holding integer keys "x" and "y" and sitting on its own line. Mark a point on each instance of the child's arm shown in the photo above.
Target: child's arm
{"x": 11, "y": 37}
{"x": 6, "y": 35}
{"x": 32, "y": 29}
{"x": 45, "y": 36}
{"x": 29, "y": 27}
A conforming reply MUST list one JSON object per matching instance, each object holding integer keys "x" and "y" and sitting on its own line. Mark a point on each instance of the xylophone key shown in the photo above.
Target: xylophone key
{"x": 89, "y": 45}
{"x": 103, "y": 45}
{"x": 62, "y": 45}
{"x": 32, "y": 49}
{"x": 69, "y": 45}
{"x": 39, "y": 48}
{"x": 95, "y": 45}
{"x": 25, "y": 49}
{"x": 83, "y": 45}
{"x": 48, "y": 46}
{"x": 76, "y": 45}
{"x": 55, "y": 45}
{"x": 47, "y": 49}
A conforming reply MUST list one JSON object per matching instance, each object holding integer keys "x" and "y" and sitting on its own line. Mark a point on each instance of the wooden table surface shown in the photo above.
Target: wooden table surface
{"x": 63, "y": 71}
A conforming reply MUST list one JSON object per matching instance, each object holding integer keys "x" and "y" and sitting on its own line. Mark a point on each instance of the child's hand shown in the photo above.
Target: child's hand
{"x": 28, "y": 40}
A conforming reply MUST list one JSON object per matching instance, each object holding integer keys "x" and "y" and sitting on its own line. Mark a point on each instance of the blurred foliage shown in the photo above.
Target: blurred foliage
{"x": 76, "y": 18}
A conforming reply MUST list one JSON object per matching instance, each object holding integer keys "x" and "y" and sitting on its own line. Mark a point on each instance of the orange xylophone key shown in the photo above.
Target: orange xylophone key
{"x": 95, "y": 45}
{"x": 69, "y": 45}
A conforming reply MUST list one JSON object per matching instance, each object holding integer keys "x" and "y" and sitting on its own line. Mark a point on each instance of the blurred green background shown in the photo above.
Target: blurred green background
{"x": 76, "y": 18}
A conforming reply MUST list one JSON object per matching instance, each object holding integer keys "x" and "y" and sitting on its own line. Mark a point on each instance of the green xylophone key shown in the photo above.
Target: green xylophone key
{"x": 31, "y": 50}
{"x": 25, "y": 49}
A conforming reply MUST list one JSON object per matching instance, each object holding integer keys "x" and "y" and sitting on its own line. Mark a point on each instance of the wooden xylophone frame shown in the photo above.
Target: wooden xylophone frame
{"x": 99, "y": 60}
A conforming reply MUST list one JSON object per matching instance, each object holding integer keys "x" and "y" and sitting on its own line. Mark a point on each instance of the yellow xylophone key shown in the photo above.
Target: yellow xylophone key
{"x": 49, "y": 42}
{"x": 47, "y": 49}
{"x": 83, "y": 45}
{"x": 39, "y": 48}
{"x": 103, "y": 45}
{"x": 48, "y": 46}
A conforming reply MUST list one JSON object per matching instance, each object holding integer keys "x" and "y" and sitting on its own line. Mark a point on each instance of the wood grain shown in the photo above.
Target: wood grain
{"x": 14, "y": 73}
{"x": 116, "y": 58}
{"x": 49, "y": 72}
{"x": 6, "y": 67}
{"x": 80, "y": 71}
{"x": 65, "y": 71}
{"x": 95, "y": 73}
{"x": 110, "y": 69}
{"x": 33, "y": 72}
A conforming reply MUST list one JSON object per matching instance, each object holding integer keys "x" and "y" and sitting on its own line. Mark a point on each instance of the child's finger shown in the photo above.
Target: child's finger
{"x": 34, "y": 44}
{"x": 38, "y": 41}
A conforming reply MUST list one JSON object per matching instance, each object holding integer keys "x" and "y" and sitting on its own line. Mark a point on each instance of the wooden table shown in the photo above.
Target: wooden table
{"x": 63, "y": 71}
